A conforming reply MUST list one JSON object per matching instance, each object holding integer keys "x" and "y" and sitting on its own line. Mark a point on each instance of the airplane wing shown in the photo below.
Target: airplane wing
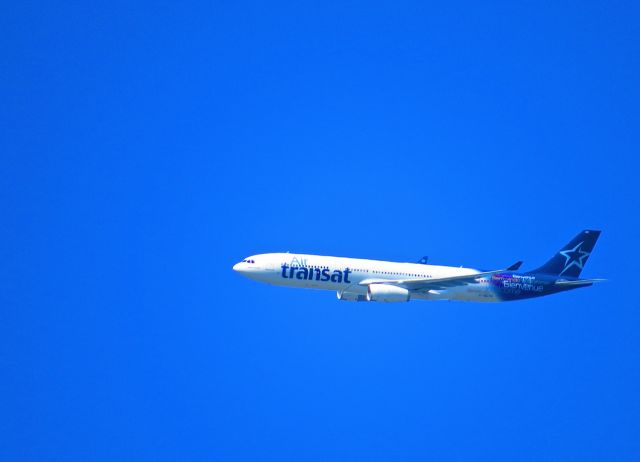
{"x": 433, "y": 283}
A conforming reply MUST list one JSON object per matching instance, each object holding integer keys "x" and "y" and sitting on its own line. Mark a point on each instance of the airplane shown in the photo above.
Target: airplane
{"x": 360, "y": 280}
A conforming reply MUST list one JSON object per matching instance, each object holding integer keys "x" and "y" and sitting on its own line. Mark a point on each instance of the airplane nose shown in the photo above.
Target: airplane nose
{"x": 236, "y": 267}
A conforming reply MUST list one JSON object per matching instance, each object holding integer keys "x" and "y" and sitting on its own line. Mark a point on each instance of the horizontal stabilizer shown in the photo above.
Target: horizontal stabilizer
{"x": 579, "y": 282}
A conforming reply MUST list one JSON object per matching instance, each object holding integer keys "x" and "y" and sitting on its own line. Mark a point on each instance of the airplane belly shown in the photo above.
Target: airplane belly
{"x": 473, "y": 293}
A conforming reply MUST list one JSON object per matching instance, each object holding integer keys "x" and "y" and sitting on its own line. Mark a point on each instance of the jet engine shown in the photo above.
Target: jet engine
{"x": 387, "y": 293}
{"x": 351, "y": 296}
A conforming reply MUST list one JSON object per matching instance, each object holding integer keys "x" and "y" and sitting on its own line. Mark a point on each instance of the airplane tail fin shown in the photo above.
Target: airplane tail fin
{"x": 570, "y": 260}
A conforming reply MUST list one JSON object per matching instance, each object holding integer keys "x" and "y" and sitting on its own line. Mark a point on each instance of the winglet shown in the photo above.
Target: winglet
{"x": 515, "y": 266}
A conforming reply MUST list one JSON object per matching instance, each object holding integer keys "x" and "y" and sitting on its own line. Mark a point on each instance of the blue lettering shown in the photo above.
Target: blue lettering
{"x": 303, "y": 273}
{"x": 346, "y": 276}
{"x": 336, "y": 276}
{"x": 307, "y": 273}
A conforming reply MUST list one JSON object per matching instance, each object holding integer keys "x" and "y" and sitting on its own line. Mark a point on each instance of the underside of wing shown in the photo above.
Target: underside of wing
{"x": 433, "y": 283}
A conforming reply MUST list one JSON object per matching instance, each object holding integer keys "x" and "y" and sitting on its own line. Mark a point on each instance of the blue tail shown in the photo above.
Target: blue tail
{"x": 570, "y": 260}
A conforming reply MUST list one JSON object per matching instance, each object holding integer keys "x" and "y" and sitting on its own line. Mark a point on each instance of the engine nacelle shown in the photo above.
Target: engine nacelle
{"x": 387, "y": 293}
{"x": 351, "y": 296}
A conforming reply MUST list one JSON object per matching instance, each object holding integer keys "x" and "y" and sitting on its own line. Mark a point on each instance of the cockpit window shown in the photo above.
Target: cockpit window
{"x": 248, "y": 261}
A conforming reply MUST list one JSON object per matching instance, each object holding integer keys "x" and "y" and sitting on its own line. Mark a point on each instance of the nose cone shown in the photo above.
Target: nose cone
{"x": 237, "y": 267}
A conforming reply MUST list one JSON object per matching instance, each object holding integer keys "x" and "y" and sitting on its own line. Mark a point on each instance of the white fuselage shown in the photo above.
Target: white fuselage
{"x": 345, "y": 275}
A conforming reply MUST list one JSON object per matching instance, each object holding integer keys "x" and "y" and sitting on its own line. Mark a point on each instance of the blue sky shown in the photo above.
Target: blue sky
{"x": 148, "y": 147}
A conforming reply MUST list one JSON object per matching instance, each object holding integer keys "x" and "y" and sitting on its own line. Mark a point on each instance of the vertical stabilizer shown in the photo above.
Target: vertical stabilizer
{"x": 570, "y": 260}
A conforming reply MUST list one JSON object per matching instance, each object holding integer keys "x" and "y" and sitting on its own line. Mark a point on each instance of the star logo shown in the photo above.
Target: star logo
{"x": 574, "y": 256}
